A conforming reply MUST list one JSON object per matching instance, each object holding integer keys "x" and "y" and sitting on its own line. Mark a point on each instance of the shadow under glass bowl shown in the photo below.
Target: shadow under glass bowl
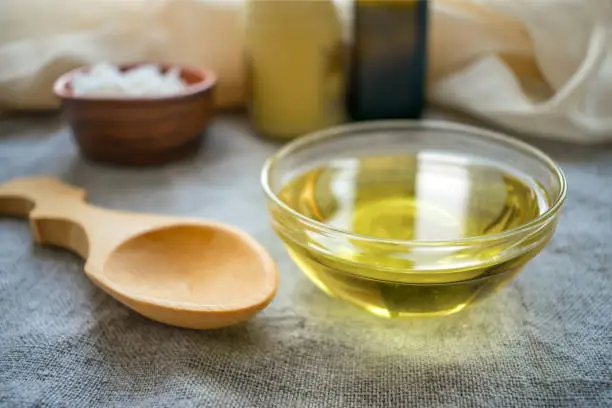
{"x": 416, "y": 275}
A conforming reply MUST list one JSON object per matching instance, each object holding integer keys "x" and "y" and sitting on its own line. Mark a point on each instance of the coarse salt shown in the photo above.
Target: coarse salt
{"x": 144, "y": 80}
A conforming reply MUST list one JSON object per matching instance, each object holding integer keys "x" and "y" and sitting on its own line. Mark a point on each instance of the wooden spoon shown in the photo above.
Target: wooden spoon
{"x": 183, "y": 272}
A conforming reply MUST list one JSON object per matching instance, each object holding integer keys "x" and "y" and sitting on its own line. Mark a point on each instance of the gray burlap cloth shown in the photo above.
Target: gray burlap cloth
{"x": 545, "y": 341}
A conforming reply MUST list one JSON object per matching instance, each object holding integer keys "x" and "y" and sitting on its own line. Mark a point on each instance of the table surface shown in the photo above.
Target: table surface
{"x": 543, "y": 341}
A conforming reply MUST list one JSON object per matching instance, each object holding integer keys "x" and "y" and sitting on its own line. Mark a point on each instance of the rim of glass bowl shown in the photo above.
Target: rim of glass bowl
{"x": 342, "y": 130}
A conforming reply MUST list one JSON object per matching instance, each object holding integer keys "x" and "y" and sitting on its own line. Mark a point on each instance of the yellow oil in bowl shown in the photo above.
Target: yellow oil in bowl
{"x": 422, "y": 232}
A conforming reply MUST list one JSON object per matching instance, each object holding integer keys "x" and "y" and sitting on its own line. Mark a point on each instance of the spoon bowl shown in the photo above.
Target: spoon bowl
{"x": 183, "y": 272}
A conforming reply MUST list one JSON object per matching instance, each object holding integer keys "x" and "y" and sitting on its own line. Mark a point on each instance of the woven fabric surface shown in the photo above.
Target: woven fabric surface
{"x": 544, "y": 341}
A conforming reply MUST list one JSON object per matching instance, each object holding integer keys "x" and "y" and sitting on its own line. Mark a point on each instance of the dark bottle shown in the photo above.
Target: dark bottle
{"x": 388, "y": 59}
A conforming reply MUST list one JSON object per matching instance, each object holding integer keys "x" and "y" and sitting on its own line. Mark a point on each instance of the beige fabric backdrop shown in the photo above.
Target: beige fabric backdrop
{"x": 542, "y": 67}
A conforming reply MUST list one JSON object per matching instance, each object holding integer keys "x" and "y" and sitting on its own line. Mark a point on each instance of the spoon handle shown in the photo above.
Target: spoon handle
{"x": 55, "y": 210}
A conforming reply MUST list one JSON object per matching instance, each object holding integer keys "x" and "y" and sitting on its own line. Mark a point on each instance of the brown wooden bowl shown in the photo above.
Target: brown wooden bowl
{"x": 140, "y": 130}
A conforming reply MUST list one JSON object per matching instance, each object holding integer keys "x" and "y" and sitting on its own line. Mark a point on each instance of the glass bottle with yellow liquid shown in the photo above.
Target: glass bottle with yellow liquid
{"x": 296, "y": 66}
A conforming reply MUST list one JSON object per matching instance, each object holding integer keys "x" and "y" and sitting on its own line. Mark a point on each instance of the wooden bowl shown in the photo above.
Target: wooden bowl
{"x": 140, "y": 130}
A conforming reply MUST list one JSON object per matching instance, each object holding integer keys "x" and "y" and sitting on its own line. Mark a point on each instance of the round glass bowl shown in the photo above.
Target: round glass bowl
{"x": 407, "y": 218}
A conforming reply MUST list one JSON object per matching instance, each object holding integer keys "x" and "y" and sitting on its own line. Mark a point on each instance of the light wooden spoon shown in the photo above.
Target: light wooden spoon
{"x": 183, "y": 272}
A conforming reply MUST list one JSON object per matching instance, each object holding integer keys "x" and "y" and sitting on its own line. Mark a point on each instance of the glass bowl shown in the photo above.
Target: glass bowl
{"x": 412, "y": 218}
